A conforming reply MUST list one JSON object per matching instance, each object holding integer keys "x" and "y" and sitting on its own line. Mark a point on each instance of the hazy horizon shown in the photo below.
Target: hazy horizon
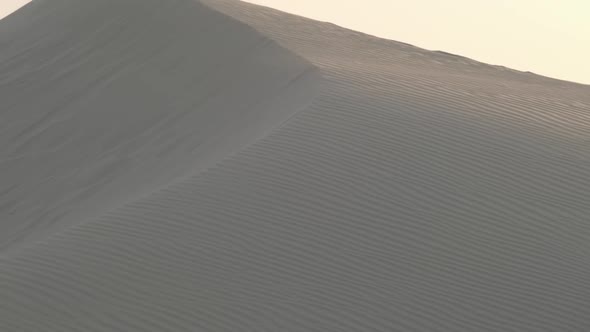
{"x": 545, "y": 37}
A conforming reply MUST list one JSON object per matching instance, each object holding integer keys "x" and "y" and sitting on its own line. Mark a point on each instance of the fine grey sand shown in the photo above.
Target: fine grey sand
{"x": 184, "y": 165}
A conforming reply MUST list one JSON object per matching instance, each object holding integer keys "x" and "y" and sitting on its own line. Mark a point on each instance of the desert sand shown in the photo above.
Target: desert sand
{"x": 213, "y": 165}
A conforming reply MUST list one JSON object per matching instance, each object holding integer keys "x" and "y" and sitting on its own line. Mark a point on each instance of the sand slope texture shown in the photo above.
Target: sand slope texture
{"x": 184, "y": 165}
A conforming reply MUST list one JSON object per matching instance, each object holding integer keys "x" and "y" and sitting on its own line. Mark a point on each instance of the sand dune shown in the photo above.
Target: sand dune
{"x": 130, "y": 99}
{"x": 213, "y": 165}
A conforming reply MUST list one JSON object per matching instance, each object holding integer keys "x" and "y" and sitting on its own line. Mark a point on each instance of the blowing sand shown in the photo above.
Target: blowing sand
{"x": 213, "y": 165}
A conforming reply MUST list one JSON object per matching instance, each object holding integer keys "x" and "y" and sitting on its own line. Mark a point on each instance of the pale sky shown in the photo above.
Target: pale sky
{"x": 548, "y": 37}
{"x": 8, "y": 6}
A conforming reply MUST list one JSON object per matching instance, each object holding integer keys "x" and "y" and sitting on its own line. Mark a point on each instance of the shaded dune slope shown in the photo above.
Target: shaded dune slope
{"x": 103, "y": 101}
{"x": 408, "y": 191}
